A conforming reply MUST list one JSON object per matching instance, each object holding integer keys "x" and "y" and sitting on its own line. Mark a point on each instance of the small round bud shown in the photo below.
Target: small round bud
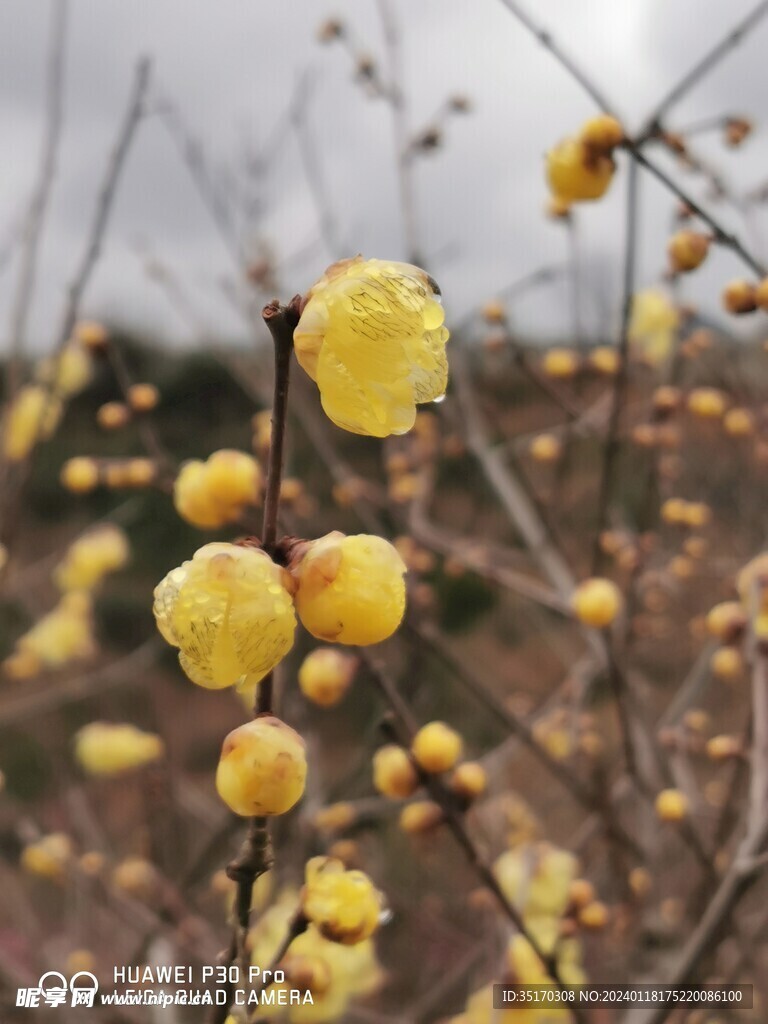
{"x": 707, "y": 403}
{"x": 739, "y": 422}
{"x": 91, "y": 335}
{"x": 739, "y": 297}
{"x": 140, "y": 472}
{"x": 603, "y": 132}
{"x": 605, "y": 360}
{"x": 469, "y": 780}
{"x": 143, "y": 397}
{"x": 335, "y": 817}
{"x": 326, "y": 674}
{"x": 594, "y": 916}
{"x": 493, "y": 312}
{"x": 113, "y": 416}
{"x": 349, "y": 589}
{"x": 671, "y": 805}
{"x": 576, "y": 172}
{"x": 687, "y": 250}
{"x": 737, "y": 129}
{"x": 560, "y": 363}
{"x": 597, "y": 602}
{"x": 666, "y": 400}
{"x": 546, "y": 448}
{"x": 722, "y": 748}
{"x": 436, "y": 747}
{"x": 138, "y": 878}
{"x": 80, "y": 474}
{"x": 727, "y": 664}
{"x": 420, "y": 816}
{"x": 727, "y": 622}
{"x": 49, "y": 856}
{"x": 262, "y": 769}
{"x": 393, "y": 772}
{"x": 581, "y": 892}
{"x": 640, "y": 882}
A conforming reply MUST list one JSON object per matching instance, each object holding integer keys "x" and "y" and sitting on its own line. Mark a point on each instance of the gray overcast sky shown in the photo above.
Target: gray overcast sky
{"x": 231, "y": 66}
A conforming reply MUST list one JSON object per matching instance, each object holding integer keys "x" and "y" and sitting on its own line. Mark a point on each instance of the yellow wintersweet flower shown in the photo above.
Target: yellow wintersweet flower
{"x": 372, "y": 338}
{"x": 349, "y": 589}
{"x": 65, "y": 634}
{"x": 67, "y": 372}
{"x": 33, "y": 416}
{"x": 87, "y": 561}
{"x": 653, "y": 325}
{"x": 230, "y": 613}
{"x": 345, "y": 971}
{"x": 49, "y": 856}
{"x": 215, "y": 492}
{"x": 110, "y": 748}
{"x": 344, "y": 905}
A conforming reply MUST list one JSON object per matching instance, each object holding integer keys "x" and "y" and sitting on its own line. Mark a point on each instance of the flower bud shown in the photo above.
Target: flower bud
{"x": 687, "y": 251}
{"x": 393, "y": 773}
{"x": 596, "y": 602}
{"x": 739, "y": 297}
{"x": 109, "y": 748}
{"x": 262, "y": 769}
{"x": 326, "y": 674}
{"x": 671, "y": 805}
{"x": 436, "y": 747}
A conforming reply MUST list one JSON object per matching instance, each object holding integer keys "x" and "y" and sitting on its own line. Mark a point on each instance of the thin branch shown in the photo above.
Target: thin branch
{"x": 612, "y": 441}
{"x": 551, "y": 44}
{"x": 707, "y": 62}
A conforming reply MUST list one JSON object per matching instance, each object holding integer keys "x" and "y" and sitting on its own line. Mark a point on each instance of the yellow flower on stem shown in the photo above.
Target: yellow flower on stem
{"x": 229, "y": 611}
{"x": 371, "y": 336}
{"x": 344, "y": 905}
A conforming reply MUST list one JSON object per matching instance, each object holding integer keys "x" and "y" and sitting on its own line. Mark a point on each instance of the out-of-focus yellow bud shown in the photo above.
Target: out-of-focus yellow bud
{"x": 349, "y": 589}
{"x": 561, "y": 363}
{"x": 113, "y": 415}
{"x": 80, "y": 474}
{"x": 33, "y": 416}
{"x": 420, "y": 816}
{"x": 727, "y": 663}
{"x": 101, "y": 550}
{"x": 739, "y": 423}
{"x": 80, "y": 960}
{"x": 604, "y": 359}
{"x": 494, "y": 312}
{"x": 596, "y": 602}
{"x": 721, "y": 748}
{"x": 335, "y": 817}
{"x": 546, "y": 448}
{"x": 143, "y": 397}
{"x": 68, "y": 372}
{"x": 229, "y": 611}
{"x": 640, "y": 882}
{"x": 671, "y": 805}
{"x": 372, "y": 337}
{"x": 653, "y": 325}
{"x": 345, "y": 906}
{"x": 92, "y": 863}
{"x": 91, "y": 335}
{"x": 603, "y": 132}
{"x": 137, "y": 877}
{"x": 469, "y": 780}
{"x": 687, "y": 250}
{"x": 393, "y": 772}
{"x": 50, "y": 856}
{"x": 707, "y": 403}
{"x": 594, "y": 916}
{"x": 111, "y": 748}
{"x": 436, "y": 747}
{"x": 726, "y": 621}
{"x": 326, "y": 674}
{"x": 577, "y": 173}
{"x": 213, "y": 493}
{"x": 739, "y": 297}
{"x": 537, "y": 878}
{"x": 65, "y": 634}
{"x": 140, "y": 472}
{"x": 262, "y": 769}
